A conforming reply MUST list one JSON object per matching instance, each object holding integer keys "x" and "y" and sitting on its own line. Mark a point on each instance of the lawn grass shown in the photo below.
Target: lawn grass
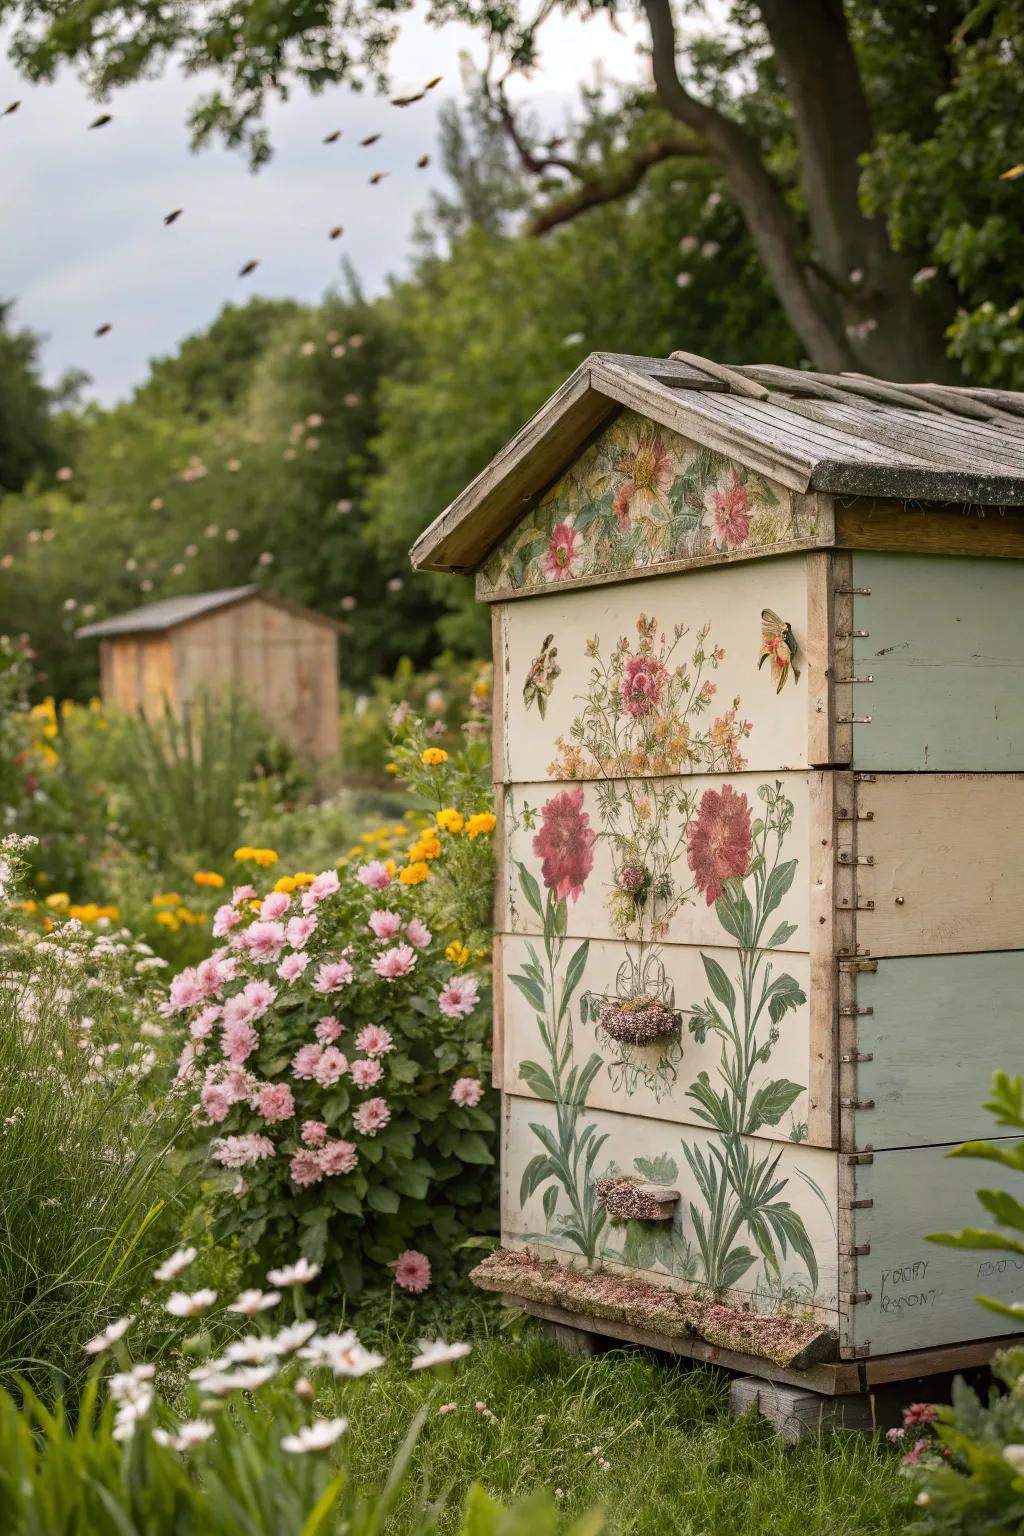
{"x": 677, "y": 1461}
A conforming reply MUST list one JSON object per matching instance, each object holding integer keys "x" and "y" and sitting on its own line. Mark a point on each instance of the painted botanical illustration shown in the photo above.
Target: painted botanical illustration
{"x": 542, "y": 676}
{"x": 778, "y": 646}
{"x": 639, "y": 496}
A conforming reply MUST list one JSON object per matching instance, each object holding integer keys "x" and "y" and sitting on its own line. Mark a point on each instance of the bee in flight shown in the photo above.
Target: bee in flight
{"x": 778, "y": 645}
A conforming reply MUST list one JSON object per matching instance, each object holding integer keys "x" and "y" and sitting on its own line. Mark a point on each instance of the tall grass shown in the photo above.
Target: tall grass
{"x": 81, "y": 1178}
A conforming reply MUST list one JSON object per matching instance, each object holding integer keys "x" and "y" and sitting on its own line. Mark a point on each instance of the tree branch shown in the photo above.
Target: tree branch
{"x": 595, "y": 191}
{"x": 530, "y": 161}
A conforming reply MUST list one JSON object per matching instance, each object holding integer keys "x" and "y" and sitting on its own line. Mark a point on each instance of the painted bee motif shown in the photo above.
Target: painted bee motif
{"x": 778, "y": 645}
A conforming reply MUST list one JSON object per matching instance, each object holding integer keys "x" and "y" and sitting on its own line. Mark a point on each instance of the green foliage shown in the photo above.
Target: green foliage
{"x": 29, "y": 439}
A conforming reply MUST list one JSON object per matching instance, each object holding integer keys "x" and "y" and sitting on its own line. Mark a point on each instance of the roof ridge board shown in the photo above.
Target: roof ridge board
{"x": 838, "y": 439}
{"x": 1009, "y": 400}
{"x": 790, "y": 380}
{"x": 885, "y": 392}
{"x": 964, "y": 403}
{"x": 948, "y": 437}
{"x": 735, "y": 380}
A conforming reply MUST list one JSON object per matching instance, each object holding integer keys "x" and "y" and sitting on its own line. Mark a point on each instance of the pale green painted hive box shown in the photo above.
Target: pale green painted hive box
{"x": 759, "y": 930}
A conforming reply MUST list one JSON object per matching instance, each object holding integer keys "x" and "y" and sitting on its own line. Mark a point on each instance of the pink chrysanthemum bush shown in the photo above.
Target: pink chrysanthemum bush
{"x": 335, "y": 1060}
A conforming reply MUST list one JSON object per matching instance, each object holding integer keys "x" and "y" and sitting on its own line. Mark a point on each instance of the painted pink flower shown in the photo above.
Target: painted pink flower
{"x": 643, "y": 683}
{"x": 224, "y": 919}
{"x": 313, "y": 1133}
{"x": 333, "y": 1064}
{"x": 305, "y": 1167}
{"x": 729, "y": 512}
{"x": 264, "y": 941}
{"x": 565, "y": 843}
{"x": 186, "y": 990}
{"x": 412, "y": 1271}
{"x": 366, "y": 1074}
{"x": 394, "y": 962}
{"x": 374, "y": 1040}
{"x": 332, "y": 976}
{"x": 371, "y": 1117}
{"x": 242, "y": 1151}
{"x": 467, "y": 1092}
{"x": 260, "y": 997}
{"x": 216, "y": 1102}
{"x": 328, "y": 1029}
{"x": 275, "y": 1102}
{"x": 293, "y": 965}
{"x": 326, "y": 884}
{"x": 299, "y": 931}
{"x": 243, "y": 893}
{"x": 238, "y": 1041}
{"x": 621, "y": 506}
{"x": 275, "y": 905}
{"x": 306, "y": 1060}
{"x": 458, "y": 997}
{"x": 718, "y": 842}
{"x": 338, "y": 1157}
{"x": 373, "y": 875}
{"x": 564, "y": 557}
{"x": 385, "y": 925}
{"x": 418, "y": 934}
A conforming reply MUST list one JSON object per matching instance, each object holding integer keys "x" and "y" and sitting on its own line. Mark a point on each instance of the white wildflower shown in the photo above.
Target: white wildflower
{"x": 181, "y": 1304}
{"x": 314, "y": 1437}
{"x": 178, "y": 1262}
{"x": 249, "y": 1303}
{"x": 299, "y": 1273}
{"x": 109, "y": 1336}
{"x": 190, "y": 1434}
{"x": 438, "y": 1352}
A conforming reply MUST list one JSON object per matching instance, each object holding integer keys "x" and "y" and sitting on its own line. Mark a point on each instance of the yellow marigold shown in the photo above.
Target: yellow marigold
{"x": 391, "y": 867}
{"x": 483, "y": 821}
{"x": 208, "y": 877}
{"x": 400, "y": 830}
{"x": 264, "y": 857}
{"x": 450, "y": 820}
{"x": 457, "y": 953}
{"x": 58, "y": 901}
{"x": 110, "y": 911}
{"x": 29, "y": 906}
{"x": 413, "y": 874}
{"x": 390, "y": 767}
{"x": 244, "y": 853}
{"x": 168, "y": 920}
{"x": 49, "y": 756}
{"x": 356, "y": 852}
{"x": 167, "y": 899}
{"x": 303, "y": 877}
{"x": 433, "y": 756}
{"x": 285, "y": 885}
{"x": 84, "y": 911}
{"x": 426, "y": 847}
{"x": 255, "y": 904}
{"x": 50, "y": 730}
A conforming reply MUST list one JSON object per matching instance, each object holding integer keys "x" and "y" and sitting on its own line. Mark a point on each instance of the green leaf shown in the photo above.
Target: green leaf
{"x": 1007, "y": 1210}
{"x": 530, "y": 889}
{"x": 536, "y": 1171}
{"x": 472, "y": 1148}
{"x": 992, "y": 1152}
{"x": 783, "y": 994}
{"x": 550, "y": 1201}
{"x": 660, "y": 1170}
{"x": 537, "y": 1080}
{"x": 776, "y": 886}
{"x": 719, "y": 982}
{"x": 573, "y": 976}
{"x": 770, "y": 1103}
{"x": 532, "y": 990}
{"x": 380, "y": 1198}
{"x": 782, "y": 935}
{"x": 977, "y": 1237}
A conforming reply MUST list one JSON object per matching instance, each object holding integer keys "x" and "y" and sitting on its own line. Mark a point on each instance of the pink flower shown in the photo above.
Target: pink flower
{"x": 243, "y": 893}
{"x": 332, "y": 976}
{"x": 642, "y": 685}
{"x": 418, "y": 934}
{"x": 373, "y": 875}
{"x": 242, "y": 1151}
{"x": 718, "y": 842}
{"x": 385, "y": 925}
{"x": 305, "y": 1167}
{"x": 564, "y": 557}
{"x": 333, "y": 1064}
{"x": 729, "y": 511}
{"x": 227, "y": 965}
{"x": 313, "y": 1133}
{"x": 338, "y": 1157}
{"x": 306, "y": 1060}
{"x": 300, "y": 930}
{"x": 374, "y": 1040}
{"x": 264, "y": 941}
{"x": 467, "y": 1092}
{"x": 275, "y": 905}
{"x": 238, "y": 1041}
{"x": 186, "y": 990}
{"x": 237, "y": 1009}
{"x": 412, "y": 1271}
{"x": 621, "y": 505}
{"x": 216, "y": 1102}
{"x": 458, "y": 997}
{"x": 394, "y": 962}
{"x": 371, "y": 1117}
{"x": 224, "y": 919}
{"x": 326, "y": 884}
{"x": 328, "y": 1029}
{"x": 292, "y": 966}
{"x": 260, "y": 996}
{"x": 203, "y": 1024}
{"x": 239, "y": 1083}
{"x": 274, "y": 1102}
{"x": 565, "y": 843}
{"x": 366, "y": 1074}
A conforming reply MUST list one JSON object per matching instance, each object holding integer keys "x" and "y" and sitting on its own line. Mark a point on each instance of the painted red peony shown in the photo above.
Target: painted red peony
{"x": 564, "y": 557}
{"x": 729, "y": 512}
{"x": 718, "y": 842}
{"x": 642, "y": 685}
{"x": 565, "y": 843}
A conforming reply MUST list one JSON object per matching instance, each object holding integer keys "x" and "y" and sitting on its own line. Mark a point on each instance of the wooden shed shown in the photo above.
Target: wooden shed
{"x": 280, "y": 657}
{"x": 759, "y": 754}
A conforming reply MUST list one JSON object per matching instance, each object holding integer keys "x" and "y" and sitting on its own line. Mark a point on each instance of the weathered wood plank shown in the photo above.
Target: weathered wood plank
{"x": 797, "y": 1413}
{"x": 936, "y": 528}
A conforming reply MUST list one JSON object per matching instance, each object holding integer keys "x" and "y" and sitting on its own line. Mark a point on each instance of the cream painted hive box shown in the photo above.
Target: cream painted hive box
{"x": 759, "y": 758}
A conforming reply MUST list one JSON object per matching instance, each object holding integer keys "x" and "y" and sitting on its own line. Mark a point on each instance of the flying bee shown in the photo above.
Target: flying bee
{"x": 102, "y": 330}
{"x": 434, "y": 80}
{"x": 12, "y": 108}
{"x": 778, "y": 645}
{"x": 175, "y": 213}
{"x": 250, "y": 266}
{"x": 101, "y": 121}
{"x": 371, "y": 138}
{"x": 407, "y": 101}
{"x": 332, "y": 138}
{"x": 336, "y": 232}
{"x": 377, "y": 177}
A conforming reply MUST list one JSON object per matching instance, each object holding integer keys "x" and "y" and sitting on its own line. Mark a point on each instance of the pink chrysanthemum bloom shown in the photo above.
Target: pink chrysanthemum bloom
{"x": 203, "y": 1024}
{"x": 412, "y": 1271}
{"x": 332, "y": 976}
{"x": 293, "y": 965}
{"x": 260, "y": 996}
{"x": 395, "y": 962}
{"x": 328, "y": 1029}
{"x": 216, "y": 1102}
{"x": 242, "y": 1151}
{"x": 313, "y": 1133}
{"x": 238, "y": 1041}
{"x": 371, "y": 1117}
{"x": 227, "y": 965}
{"x": 306, "y": 1060}
{"x": 275, "y": 1102}
{"x": 275, "y": 905}
{"x": 243, "y": 893}
{"x": 237, "y": 1010}
{"x": 305, "y": 1167}
{"x": 224, "y": 919}
{"x": 338, "y": 1157}
{"x": 385, "y": 925}
{"x": 264, "y": 941}
{"x": 373, "y": 875}
{"x": 418, "y": 934}
{"x": 374, "y": 1040}
{"x": 208, "y": 973}
{"x": 333, "y": 1064}
{"x": 467, "y": 1092}
{"x": 366, "y": 1074}
{"x": 186, "y": 990}
{"x": 299, "y": 931}
{"x": 458, "y": 997}
{"x": 239, "y": 1083}
{"x": 326, "y": 884}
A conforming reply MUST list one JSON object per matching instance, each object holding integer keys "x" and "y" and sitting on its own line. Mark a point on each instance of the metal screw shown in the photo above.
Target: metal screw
{"x": 899, "y": 901}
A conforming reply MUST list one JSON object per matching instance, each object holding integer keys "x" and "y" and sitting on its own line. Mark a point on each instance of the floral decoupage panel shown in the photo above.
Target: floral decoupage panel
{"x": 670, "y": 1076}
{"x": 702, "y": 672}
{"x": 638, "y": 497}
{"x": 755, "y": 1224}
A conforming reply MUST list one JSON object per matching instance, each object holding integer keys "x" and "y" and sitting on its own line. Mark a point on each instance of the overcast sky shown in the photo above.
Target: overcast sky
{"x": 84, "y": 240}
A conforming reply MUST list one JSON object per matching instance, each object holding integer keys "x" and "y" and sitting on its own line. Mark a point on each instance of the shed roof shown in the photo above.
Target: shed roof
{"x": 846, "y": 434}
{"x": 170, "y": 612}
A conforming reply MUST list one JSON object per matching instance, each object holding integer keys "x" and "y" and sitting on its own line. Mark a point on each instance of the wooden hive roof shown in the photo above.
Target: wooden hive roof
{"x": 845, "y": 434}
{"x": 169, "y": 612}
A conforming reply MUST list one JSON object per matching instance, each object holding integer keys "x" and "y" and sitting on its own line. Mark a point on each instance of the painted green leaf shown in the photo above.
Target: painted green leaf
{"x": 660, "y": 1170}
{"x": 735, "y": 913}
{"x": 777, "y": 884}
{"x": 531, "y": 990}
{"x": 536, "y": 1171}
{"x": 782, "y": 935}
{"x": 713, "y": 1107}
{"x": 783, "y": 994}
{"x": 537, "y": 1080}
{"x": 719, "y": 982}
{"x": 788, "y": 1224}
{"x": 530, "y": 889}
{"x": 573, "y": 976}
{"x": 550, "y": 1200}
{"x": 734, "y": 1266}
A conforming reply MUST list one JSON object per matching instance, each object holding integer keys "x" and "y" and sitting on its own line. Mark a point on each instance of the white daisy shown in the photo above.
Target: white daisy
{"x": 251, "y": 1302}
{"x": 109, "y": 1336}
{"x": 299, "y": 1273}
{"x": 181, "y": 1304}
{"x": 314, "y": 1437}
{"x": 176, "y": 1265}
{"x": 438, "y": 1353}
{"x": 190, "y": 1434}
{"x": 292, "y": 1337}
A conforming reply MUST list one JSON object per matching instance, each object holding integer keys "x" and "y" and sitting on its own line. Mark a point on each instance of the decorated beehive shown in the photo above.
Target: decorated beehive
{"x": 759, "y": 931}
